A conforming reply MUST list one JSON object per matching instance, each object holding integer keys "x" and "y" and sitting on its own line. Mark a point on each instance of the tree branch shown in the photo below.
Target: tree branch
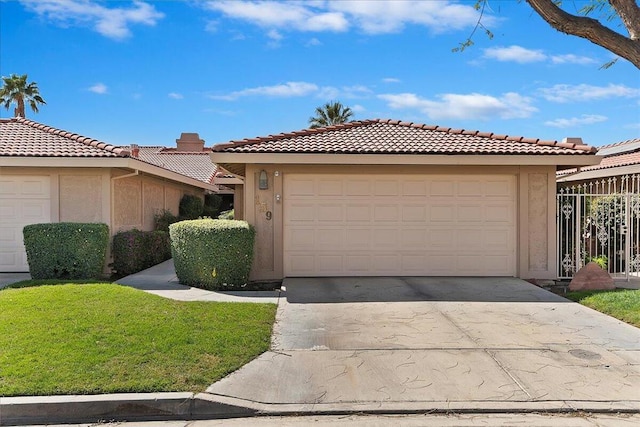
{"x": 591, "y": 29}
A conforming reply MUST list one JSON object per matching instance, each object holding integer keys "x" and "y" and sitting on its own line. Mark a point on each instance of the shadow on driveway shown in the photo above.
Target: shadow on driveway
{"x": 398, "y": 289}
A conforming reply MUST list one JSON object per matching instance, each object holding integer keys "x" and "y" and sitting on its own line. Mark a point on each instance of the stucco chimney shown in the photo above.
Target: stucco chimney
{"x": 135, "y": 150}
{"x": 190, "y": 142}
{"x": 573, "y": 140}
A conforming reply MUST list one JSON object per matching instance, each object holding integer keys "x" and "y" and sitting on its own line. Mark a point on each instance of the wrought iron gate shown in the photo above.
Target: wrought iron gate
{"x": 600, "y": 221}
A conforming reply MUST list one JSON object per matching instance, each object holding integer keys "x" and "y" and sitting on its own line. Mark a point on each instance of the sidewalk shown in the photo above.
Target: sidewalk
{"x": 161, "y": 280}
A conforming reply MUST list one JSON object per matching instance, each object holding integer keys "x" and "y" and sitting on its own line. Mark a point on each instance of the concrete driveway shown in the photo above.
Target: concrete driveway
{"x": 437, "y": 344}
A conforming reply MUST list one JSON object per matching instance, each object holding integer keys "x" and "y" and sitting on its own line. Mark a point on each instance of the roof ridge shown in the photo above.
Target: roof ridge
{"x": 74, "y": 137}
{"x": 357, "y": 123}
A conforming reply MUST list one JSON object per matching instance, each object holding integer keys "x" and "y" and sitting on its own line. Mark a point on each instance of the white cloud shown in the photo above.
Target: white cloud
{"x": 471, "y": 106}
{"x": 391, "y": 80}
{"x": 572, "y": 59}
{"x": 313, "y": 42}
{"x": 272, "y": 14}
{"x": 522, "y": 55}
{"x": 274, "y": 35}
{"x": 99, "y": 88}
{"x": 175, "y": 95}
{"x": 110, "y": 22}
{"x": 583, "y": 92}
{"x": 369, "y": 16}
{"x": 390, "y": 16}
{"x": 585, "y": 119}
{"x": 514, "y": 53}
{"x": 357, "y": 108}
{"x": 286, "y": 90}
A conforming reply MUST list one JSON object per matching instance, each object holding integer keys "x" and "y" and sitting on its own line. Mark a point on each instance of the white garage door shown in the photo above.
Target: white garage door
{"x": 378, "y": 225}
{"x": 23, "y": 200}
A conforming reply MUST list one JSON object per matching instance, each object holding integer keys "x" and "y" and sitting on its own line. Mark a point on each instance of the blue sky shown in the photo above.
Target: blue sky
{"x": 143, "y": 71}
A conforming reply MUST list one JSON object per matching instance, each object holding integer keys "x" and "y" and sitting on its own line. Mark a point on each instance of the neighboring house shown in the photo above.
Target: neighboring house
{"x": 391, "y": 198}
{"x": 50, "y": 175}
{"x": 620, "y": 160}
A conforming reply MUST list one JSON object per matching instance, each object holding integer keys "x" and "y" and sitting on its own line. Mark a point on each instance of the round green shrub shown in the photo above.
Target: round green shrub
{"x": 66, "y": 250}
{"x": 212, "y": 253}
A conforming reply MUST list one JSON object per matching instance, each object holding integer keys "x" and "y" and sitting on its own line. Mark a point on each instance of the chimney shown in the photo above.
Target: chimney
{"x": 135, "y": 150}
{"x": 573, "y": 140}
{"x": 190, "y": 142}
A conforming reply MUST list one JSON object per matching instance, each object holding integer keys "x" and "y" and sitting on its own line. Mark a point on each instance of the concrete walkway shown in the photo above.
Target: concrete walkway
{"x": 161, "y": 280}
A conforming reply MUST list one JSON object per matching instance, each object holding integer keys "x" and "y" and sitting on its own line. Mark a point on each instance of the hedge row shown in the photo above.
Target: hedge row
{"x": 136, "y": 250}
{"x": 66, "y": 250}
{"x": 212, "y": 254}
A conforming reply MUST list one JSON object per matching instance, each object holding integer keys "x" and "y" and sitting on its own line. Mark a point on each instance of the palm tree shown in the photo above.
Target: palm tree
{"x": 331, "y": 113}
{"x": 16, "y": 90}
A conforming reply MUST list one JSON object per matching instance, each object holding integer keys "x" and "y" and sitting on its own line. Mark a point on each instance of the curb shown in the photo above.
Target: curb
{"x": 189, "y": 406}
{"x": 114, "y": 407}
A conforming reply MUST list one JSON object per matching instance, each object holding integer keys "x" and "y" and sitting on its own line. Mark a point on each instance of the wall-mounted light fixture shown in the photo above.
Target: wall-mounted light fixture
{"x": 263, "y": 180}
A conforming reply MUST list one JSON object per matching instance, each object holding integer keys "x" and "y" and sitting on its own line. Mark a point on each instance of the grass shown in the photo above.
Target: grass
{"x": 620, "y": 303}
{"x": 105, "y": 338}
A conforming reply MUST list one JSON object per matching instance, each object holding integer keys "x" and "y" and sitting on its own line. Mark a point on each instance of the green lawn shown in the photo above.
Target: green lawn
{"x": 106, "y": 338}
{"x": 621, "y": 304}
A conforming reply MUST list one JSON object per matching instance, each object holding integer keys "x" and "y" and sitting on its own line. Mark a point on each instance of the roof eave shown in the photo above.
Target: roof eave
{"x": 600, "y": 173}
{"x": 102, "y": 162}
{"x": 585, "y": 159}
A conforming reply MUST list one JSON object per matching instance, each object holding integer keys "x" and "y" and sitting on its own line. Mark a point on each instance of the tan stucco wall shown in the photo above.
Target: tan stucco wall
{"x": 85, "y": 195}
{"x": 136, "y": 199}
{"x": 536, "y": 211}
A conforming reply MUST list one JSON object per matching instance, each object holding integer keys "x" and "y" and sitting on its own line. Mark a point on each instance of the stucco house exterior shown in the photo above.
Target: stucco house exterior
{"x": 385, "y": 197}
{"x": 50, "y": 175}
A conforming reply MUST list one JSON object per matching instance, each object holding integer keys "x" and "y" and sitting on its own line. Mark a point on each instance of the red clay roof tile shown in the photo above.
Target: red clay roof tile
{"x": 396, "y": 137}
{"x": 22, "y": 137}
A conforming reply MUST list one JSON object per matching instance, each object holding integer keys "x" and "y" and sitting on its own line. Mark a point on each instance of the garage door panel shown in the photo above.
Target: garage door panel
{"x": 498, "y": 213}
{"x": 414, "y": 188}
{"x": 329, "y": 238}
{"x": 441, "y": 188}
{"x": 415, "y": 225}
{"x": 467, "y": 188}
{"x": 302, "y": 212}
{"x": 385, "y": 213}
{"x": 23, "y": 200}
{"x": 386, "y": 188}
{"x": 470, "y": 213}
{"x": 358, "y": 213}
{"x": 329, "y": 213}
{"x": 385, "y": 237}
{"x": 442, "y": 213}
{"x": 358, "y": 187}
{"x": 414, "y": 213}
{"x": 331, "y": 187}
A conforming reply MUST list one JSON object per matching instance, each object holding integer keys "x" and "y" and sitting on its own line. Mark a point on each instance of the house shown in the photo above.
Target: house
{"x": 385, "y": 197}
{"x": 619, "y": 171}
{"x": 601, "y": 204}
{"x": 50, "y": 175}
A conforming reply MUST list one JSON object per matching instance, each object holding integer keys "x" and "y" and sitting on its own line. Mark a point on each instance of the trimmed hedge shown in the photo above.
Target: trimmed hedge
{"x": 136, "y": 250}
{"x": 191, "y": 207}
{"x": 66, "y": 250}
{"x": 211, "y": 253}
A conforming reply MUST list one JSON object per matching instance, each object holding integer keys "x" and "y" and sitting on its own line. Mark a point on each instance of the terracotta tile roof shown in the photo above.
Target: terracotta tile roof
{"x": 626, "y": 153}
{"x": 396, "y": 137}
{"x": 26, "y": 138}
{"x": 196, "y": 165}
